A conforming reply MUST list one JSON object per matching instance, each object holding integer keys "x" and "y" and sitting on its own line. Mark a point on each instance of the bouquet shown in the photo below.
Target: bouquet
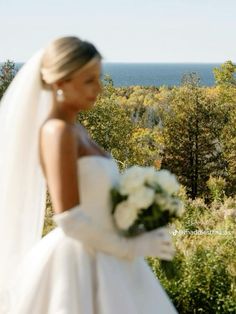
{"x": 145, "y": 199}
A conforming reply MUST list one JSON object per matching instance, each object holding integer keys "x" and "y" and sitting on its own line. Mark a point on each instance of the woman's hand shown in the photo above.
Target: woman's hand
{"x": 77, "y": 225}
{"x": 156, "y": 243}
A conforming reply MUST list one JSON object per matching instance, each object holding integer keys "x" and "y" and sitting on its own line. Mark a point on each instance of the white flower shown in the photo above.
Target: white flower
{"x": 132, "y": 179}
{"x": 125, "y": 215}
{"x": 167, "y": 181}
{"x": 177, "y": 207}
{"x": 162, "y": 201}
{"x": 149, "y": 174}
{"x": 173, "y": 205}
{"x": 142, "y": 197}
{"x": 180, "y": 209}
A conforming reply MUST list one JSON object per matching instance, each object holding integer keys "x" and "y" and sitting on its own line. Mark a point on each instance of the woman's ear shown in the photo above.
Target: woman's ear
{"x": 58, "y": 85}
{"x": 61, "y": 84}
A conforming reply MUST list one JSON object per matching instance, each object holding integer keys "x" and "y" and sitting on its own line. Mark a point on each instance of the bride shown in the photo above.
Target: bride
{"x": 83, "y": 266}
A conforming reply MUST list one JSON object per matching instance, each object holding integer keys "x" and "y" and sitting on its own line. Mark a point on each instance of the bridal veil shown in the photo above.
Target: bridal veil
{"x": 23, "y": 109}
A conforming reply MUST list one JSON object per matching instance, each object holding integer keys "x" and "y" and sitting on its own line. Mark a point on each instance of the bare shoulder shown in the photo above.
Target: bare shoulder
{"x": 59, "y": 151}
{"x": 58, "y": 140}
{"x": 57, "y": 133}
{"x": 57, "y": 127}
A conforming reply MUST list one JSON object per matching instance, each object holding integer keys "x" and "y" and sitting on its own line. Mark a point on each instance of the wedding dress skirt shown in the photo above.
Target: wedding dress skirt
{"x": 62, "y": 276}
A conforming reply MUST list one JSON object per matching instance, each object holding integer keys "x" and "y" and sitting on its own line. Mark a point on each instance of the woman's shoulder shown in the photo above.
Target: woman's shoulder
{"x": 55, "y": 135}
{"x": 56, "y": 127}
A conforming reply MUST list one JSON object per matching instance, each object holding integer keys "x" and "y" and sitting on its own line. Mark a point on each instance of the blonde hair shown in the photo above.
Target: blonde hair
{"x": 64, "y": 56}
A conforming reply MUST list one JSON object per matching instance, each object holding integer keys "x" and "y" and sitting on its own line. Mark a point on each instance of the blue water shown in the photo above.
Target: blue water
{"x": 156, "y": 74}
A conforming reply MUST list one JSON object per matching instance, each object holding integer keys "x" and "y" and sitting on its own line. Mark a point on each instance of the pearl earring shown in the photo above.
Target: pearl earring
{"x": 60, "y": 95}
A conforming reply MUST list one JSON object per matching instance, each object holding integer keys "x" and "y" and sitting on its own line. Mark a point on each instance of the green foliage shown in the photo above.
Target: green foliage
{"x": 225, "y": 75}
{"x": 7, "y": 73}
{"x": 110, "y": 126}
{"x": 217, "y": 188}
{"x": 145, "y": 147}
{"x": 189, "y": 130}
{"x": 128, "y": 131}
{"x": 108, "y": 81}
{"x": 191, "y": 79}
{"x": 49, "y": 225}
{"x": 192, "y": 125}
{"x": 109, "y": 91}
{"x": 228, "y": 140}
{"x": 144, "y": 144}
{"x": 203, "y": 270}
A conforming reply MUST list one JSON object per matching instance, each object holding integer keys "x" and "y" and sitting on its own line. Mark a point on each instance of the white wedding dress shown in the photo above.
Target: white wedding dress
{"x": 62, "y": 276}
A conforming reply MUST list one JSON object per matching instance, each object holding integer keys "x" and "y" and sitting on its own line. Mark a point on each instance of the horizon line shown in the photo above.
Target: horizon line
{"x": 145, "y": 62}
{"x": 168, "y": 62}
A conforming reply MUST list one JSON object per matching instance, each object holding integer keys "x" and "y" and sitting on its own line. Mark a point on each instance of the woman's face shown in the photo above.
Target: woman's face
{"x": 83, "y": 87}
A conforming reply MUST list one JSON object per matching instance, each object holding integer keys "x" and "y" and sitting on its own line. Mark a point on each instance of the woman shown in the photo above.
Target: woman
{"x": 83, "y": 266}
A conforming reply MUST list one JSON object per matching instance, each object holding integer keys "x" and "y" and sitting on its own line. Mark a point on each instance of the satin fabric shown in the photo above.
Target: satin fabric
{"x": 62, "y": 276}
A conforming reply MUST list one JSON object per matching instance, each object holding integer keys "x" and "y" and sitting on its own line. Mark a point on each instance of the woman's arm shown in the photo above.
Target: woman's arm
{"x": 59, "y": 146}
{"x": 77, "y": 225}
{"x": 59, "y": 149}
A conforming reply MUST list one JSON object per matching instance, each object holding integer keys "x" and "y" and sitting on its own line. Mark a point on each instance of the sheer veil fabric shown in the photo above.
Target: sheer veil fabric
{"x": 23, "y": 109}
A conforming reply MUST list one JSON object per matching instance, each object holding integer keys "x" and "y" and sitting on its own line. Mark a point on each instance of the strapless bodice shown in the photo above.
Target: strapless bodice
{"x": 61, "y": 275}
{"x": 96, "y": 176}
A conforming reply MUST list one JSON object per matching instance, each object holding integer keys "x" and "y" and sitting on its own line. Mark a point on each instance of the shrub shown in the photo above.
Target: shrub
{"x": 204, "y": 269}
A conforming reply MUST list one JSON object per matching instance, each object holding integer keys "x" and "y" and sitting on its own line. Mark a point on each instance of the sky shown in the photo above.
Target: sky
{"x": 123, "y": 30}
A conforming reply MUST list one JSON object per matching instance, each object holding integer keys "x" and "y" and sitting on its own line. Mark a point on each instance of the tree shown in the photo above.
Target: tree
{"x": 145, "y": 148}
{"x": 124, "y": 122}
{"x": 7, "y": 72}
{"x": 109, "y": 124}
{"x": 192, "y": 123}
{"x": 107, "y": 80}
{"x": 228, "y": 139}
{"x": 108, "y": 86}
{"x": 190, "y": 79}
{"x": 225, "y": 75}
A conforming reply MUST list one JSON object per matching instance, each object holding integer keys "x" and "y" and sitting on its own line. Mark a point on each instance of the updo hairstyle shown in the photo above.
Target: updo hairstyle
{"x": 64, "y": 56}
